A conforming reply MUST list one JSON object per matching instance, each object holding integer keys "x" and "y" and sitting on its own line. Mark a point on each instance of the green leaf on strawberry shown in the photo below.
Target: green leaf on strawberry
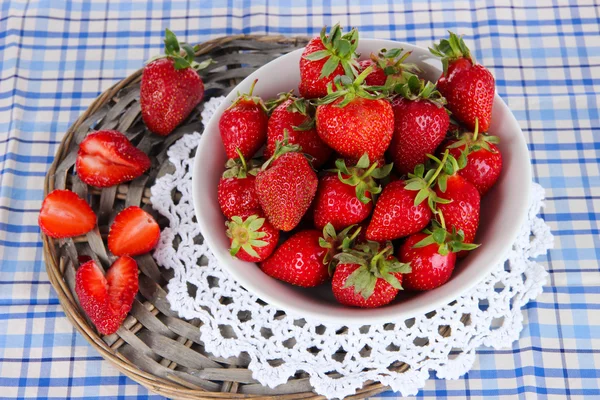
{"x": 362, "y": 176}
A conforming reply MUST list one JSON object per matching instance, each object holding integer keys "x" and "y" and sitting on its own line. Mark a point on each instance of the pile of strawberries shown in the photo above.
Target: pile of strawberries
{"x": 170, "y": 89}
{"x": 322, "y": 203}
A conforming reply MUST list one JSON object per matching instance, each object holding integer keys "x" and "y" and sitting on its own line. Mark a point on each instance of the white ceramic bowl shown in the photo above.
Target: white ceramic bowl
{"x": 503, "y": 210}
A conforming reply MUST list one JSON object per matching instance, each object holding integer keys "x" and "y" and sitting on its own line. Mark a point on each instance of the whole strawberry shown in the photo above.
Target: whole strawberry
{"x": 468, "y": 87}
{"x": 324, "y": 58}
{"x": 368, "y": 277}
{"x": 236, "y": 191}
{"x": 306, "y": 257}
{"x": 243, "y": 126}
{"x": 345, "y": 198}
{"x": 484, "y": 160}
{"x": 353, "y": 121}
{"x": 296, "y": 116}
{"x": 462, "y": 210}
{"x": 388, "y": 67}
{"x": 252, "y": 237}
{"x": 286, "y": 186}
{"x": 171, "y": 87}
{"x": 420, "y": 124}
{"x": 401, "y": 209}
{"x": 432, "y": 257}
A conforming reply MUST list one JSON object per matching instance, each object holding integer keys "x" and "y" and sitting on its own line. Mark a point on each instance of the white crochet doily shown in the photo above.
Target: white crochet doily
{"x": 348, "y": 356}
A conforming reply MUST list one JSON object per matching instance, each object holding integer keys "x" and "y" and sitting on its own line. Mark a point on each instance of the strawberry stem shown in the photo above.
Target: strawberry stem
{"x": 439, "y": 168}
{"x": 369, "y": 171}
{"x": 252, "y": 88}
{"x": 242, "y": 159}
{"x": 363, "y": 75}
{"x": 441, "y": 218}
{"x": 476, "y": 131}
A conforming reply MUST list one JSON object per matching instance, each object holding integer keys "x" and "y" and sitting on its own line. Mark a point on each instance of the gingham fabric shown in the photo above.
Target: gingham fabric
{"x": 57, "y": 56}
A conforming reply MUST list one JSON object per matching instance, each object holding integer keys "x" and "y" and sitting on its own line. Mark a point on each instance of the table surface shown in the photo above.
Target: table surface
{"x": 57, "y": 56}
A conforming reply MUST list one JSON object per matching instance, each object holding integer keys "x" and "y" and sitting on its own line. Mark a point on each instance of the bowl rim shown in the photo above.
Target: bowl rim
{"x": 377, "y": 315}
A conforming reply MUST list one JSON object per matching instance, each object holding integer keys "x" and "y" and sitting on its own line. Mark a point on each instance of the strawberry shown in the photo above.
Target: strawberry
{"x": 462, "y": 210}
{"x": 236, "y": 191}
{"x": 64, "y": 214}
{"x": 171, "y": 87}
{"x": 388, "y": 67}
{"x": 368, "y": 276}
{"x": 286, "y": 186}
{"x": 326, "y": 57}
{"x": 420, "y": 124}
{"x": 353, "y": 121}
{"x": 296, "y": 117}
{"x": 133, "y": 232}
{"x": 306, "y": 258}
{"x": 468, "y": 87}
{"x": 432, "y": 256}
{"x": 107, "y": 158}
{"x": 484, "y": 161}
{"x": 345, "y": 199}
{"x": 107, "y": 300}
{"x": 252, "y": 237}
{"x": 243, "y": 125}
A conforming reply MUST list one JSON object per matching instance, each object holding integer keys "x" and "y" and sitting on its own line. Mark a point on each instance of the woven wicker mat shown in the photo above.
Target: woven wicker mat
{"x": 153, "y": 346}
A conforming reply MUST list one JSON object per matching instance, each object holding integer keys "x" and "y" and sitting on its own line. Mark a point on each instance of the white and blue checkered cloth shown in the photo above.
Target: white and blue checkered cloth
{"x": 57, "y": 56}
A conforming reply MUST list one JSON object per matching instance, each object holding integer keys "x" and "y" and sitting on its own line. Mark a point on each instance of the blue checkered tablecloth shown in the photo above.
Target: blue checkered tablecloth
{"x": 57, "y": 56}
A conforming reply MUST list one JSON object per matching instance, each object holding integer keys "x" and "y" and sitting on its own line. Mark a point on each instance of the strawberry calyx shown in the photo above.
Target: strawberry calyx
{"x": 245, "y": 234}
{"x": 362, "y": 176}
{"x": 451, "y": 49}
{"x": 238, "y": 168}
{"x": 374, "y": 263}
{"x": 448, "y": 166}
{"x": 340, "y": 48}
{"x": 416, "y": 88}
{"x": 281, "y": 98}
{"x": 392, "y": 63}
{"x": 446, "y": 241}
{"x": 282, "y": 147}
{"x": 173, "y": 51}
{"x": 424, "y": 182}
{"x": 475, "y": 141}
{"x": 305, "y": 108}
{"x": 336, "y": 243}
{"x": 247, "y": 98}
{"x": 348, "y": 90}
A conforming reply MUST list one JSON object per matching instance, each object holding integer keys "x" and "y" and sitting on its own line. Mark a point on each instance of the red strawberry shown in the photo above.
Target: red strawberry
{"x": 286, "y": 186}
{"x": 368, "y": 277}
{"x": 243, "y": 125}
{"x": 462, "y": 212}
{"x": 252, "y": 237}
{"x": 326, "y": 57}
{"x": 294, "y": 117}
{"x": 64, "y": 214}
{"x": 484, "y": 161}
{"x": 345, "y": 199}
{"x": 107, "y": 158}
{"x": 400, "y": 211}
{"x": 388, "y": 64}
{"x": 306, "y": 257}
{"x": 107, "y": 300}
{"x": 133, "y": 232}
{"x": 468, "y": 87}
{"x": 420, "y": 124}
{"x": 171, "y": 87}
{"x": 353, "y": 121}
{"x": 236, "y": 192}
{"x": 432, "y": 256}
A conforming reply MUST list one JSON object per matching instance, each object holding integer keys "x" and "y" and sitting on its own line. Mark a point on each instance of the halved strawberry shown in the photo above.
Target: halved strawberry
{"x": 107, "y": 158}
{"x": 64, "y": 214}
{"x": 107, "y": 300}
{"x": 134, "y": 232}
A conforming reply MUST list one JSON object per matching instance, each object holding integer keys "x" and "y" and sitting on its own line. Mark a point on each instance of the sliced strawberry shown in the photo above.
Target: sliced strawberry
{"x": 107, "y": 158}
{"x": 133, "y": 232}
{"x": 64, "y": 214}
{"x": 107, "y": 300}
